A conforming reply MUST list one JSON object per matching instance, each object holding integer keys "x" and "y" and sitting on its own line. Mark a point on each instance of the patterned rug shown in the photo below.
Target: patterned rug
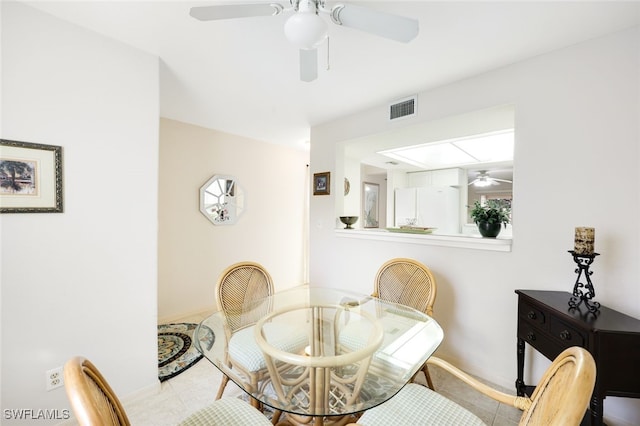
{"x": 176, "y": 349}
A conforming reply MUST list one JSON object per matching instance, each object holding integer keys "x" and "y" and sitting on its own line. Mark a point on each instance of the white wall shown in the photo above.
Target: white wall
{"x": 193, "y": 251}
{"x": 576, "y": 164}
{"x": 82, "y": 282}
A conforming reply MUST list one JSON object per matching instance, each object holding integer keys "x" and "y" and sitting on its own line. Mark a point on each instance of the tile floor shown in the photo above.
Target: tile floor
{"x": 196, "y": 387}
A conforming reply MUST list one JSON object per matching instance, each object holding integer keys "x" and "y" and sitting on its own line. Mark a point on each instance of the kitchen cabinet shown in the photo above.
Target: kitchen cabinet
{"x": 438, "y": 178}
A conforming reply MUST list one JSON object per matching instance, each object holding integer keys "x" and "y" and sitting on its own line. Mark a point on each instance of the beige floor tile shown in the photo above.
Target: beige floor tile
{"x": 508, "y": 413}
{"x": 489, "y": 410}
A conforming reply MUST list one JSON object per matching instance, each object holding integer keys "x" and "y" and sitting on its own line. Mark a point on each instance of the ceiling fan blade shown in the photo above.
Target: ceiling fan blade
{"x": 502, "y": 180}
{"x": 308, "y": 64}
{"x": 472, "y": 182}
{"x": 372, "y": 21}
{"x": 231, "y": 11}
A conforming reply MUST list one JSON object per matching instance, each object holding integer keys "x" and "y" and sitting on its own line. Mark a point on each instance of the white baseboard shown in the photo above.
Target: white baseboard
{"x": 178, "y": 318}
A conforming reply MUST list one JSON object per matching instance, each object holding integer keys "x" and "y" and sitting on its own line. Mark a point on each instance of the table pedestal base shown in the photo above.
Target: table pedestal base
{"x": 298, "y": 420}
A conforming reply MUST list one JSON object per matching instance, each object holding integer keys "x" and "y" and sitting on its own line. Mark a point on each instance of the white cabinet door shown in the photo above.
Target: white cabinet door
{"x": 446, "y": 177}
{"x": 418, "y": 179}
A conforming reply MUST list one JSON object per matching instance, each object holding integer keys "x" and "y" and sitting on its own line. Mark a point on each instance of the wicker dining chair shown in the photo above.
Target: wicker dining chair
{"x": 560, "y": 399}
{"x": 410, "y": 283}
{"x": 238, "y": 286}
{"x": 94, "y": 403}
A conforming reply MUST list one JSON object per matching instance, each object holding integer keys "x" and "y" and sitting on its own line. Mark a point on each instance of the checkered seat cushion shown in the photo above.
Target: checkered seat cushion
{"x": 243, "y": 348}
{"x": 354, "y": 335}
{"x": 418, "y": 405}
{"x": 227, "y": 412}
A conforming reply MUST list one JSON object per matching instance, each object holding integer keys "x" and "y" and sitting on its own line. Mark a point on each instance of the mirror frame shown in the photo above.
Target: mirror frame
{"x": 232, "y": 195}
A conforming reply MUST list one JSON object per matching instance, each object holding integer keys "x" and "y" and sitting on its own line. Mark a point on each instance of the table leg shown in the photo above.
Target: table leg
{"x": 255, "y": 403}
{"x": 596, "y": 407}
{"x": 520, "y": 386}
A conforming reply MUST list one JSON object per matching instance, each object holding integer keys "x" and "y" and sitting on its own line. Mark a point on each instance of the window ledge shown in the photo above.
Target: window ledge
{"x": 459, "y": 241}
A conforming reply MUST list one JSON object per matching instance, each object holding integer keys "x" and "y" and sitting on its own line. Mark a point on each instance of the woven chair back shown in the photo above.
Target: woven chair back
{"x": 240, "y": 287}
{"x": 93, "y": 401}
{"x": 407, "y": 282}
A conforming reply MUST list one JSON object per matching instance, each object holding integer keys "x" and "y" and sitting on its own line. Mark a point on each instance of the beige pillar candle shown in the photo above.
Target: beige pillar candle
{"x": 584, "y": 240}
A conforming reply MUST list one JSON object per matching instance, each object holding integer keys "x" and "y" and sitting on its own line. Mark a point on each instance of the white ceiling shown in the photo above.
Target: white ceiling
{"x": 242, "y": 76}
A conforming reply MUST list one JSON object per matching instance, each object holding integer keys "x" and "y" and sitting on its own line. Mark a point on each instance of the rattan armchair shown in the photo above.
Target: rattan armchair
{"x": 238, "y": 286}
{"x": 239, "y": 291}
{"x": 560, "y": 399}
{"x": 92, "y": 399}
{"x": 410, "y": 283}
{"x": 94, "y": 403}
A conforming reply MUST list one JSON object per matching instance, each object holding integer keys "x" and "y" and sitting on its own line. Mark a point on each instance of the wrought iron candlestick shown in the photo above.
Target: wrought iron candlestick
{"x": 584, "y": 292}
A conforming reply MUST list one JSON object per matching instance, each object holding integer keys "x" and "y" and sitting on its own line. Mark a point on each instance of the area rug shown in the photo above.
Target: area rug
{"x": 176, "y": 348}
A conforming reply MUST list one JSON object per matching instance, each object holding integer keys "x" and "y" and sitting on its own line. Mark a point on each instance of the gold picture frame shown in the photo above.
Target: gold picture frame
{"x": 321, "y": 183}
{"x": 30, "y": 177}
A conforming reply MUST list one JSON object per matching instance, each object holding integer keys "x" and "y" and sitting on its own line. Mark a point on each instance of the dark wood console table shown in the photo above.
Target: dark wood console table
{"x": 546, "y": 322}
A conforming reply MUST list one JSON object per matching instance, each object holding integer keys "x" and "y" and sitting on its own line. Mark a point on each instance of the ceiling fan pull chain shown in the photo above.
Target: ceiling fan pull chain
{"x": 328, "y": 64}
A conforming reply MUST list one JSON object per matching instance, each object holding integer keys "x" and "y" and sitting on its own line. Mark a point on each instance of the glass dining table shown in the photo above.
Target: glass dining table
{"x": 327, "y": 354}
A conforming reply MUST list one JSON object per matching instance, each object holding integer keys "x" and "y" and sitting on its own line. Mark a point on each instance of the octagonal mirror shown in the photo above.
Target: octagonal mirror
{"x": 222, "y": 200}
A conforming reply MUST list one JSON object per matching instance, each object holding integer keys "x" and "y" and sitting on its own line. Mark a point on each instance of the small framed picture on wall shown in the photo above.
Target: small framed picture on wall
{"x": 321, "y": 183}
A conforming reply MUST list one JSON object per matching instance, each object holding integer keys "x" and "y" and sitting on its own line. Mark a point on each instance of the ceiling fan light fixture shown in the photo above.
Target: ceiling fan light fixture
{"x": 305, "y": 29}
{"x": 482, "y": 182}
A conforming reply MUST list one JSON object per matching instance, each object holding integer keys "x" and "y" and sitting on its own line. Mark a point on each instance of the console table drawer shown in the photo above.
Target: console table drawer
{"x": 532, "y": 314}
{"x": 541, "y": 340}
{"x": 569, "y": 336}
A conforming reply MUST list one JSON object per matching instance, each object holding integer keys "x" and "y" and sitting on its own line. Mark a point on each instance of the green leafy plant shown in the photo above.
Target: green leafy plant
{"x": 493, "y": 211}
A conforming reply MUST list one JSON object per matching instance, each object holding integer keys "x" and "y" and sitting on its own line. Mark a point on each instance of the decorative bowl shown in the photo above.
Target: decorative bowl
{"x": 348, "y": 220}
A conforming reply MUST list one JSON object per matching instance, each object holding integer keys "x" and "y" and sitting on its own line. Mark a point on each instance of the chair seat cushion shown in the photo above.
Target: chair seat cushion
{"x": 243, "y": 348}
{"x": 227, "y": 412}
{"x": 418, "y": 405}
{"x": 354, "y": 335}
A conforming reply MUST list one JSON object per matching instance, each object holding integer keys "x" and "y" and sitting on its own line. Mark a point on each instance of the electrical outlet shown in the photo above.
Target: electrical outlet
{"x": 54, "y": 378}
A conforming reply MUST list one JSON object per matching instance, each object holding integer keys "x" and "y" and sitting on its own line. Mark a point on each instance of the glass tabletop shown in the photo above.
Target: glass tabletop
{"x": 322, "y": 351}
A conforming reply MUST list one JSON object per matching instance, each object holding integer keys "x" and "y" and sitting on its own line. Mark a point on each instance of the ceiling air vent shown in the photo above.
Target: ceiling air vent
{"x": 403, "y": 108}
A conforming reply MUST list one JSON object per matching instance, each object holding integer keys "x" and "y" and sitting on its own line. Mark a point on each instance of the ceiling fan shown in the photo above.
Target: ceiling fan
{"x": 483, "y": 179}
{"x": 307, "y": 30}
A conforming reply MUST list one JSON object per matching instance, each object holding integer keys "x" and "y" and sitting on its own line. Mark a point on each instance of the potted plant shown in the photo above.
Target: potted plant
{"x": 491, "y": 216}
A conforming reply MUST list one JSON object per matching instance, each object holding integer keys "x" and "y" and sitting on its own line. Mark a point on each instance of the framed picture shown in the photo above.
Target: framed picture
{"x": 321, "y": 183}
{"x": 370, "y": 196}
{"x": 30, "y": 177}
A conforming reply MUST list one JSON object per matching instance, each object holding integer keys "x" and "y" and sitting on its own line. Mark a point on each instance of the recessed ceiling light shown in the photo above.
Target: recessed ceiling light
{"x": 477, "y": 149}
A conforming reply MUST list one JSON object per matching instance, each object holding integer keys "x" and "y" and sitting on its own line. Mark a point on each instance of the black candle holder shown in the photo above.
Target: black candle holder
{"x": 584, "y": 292}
